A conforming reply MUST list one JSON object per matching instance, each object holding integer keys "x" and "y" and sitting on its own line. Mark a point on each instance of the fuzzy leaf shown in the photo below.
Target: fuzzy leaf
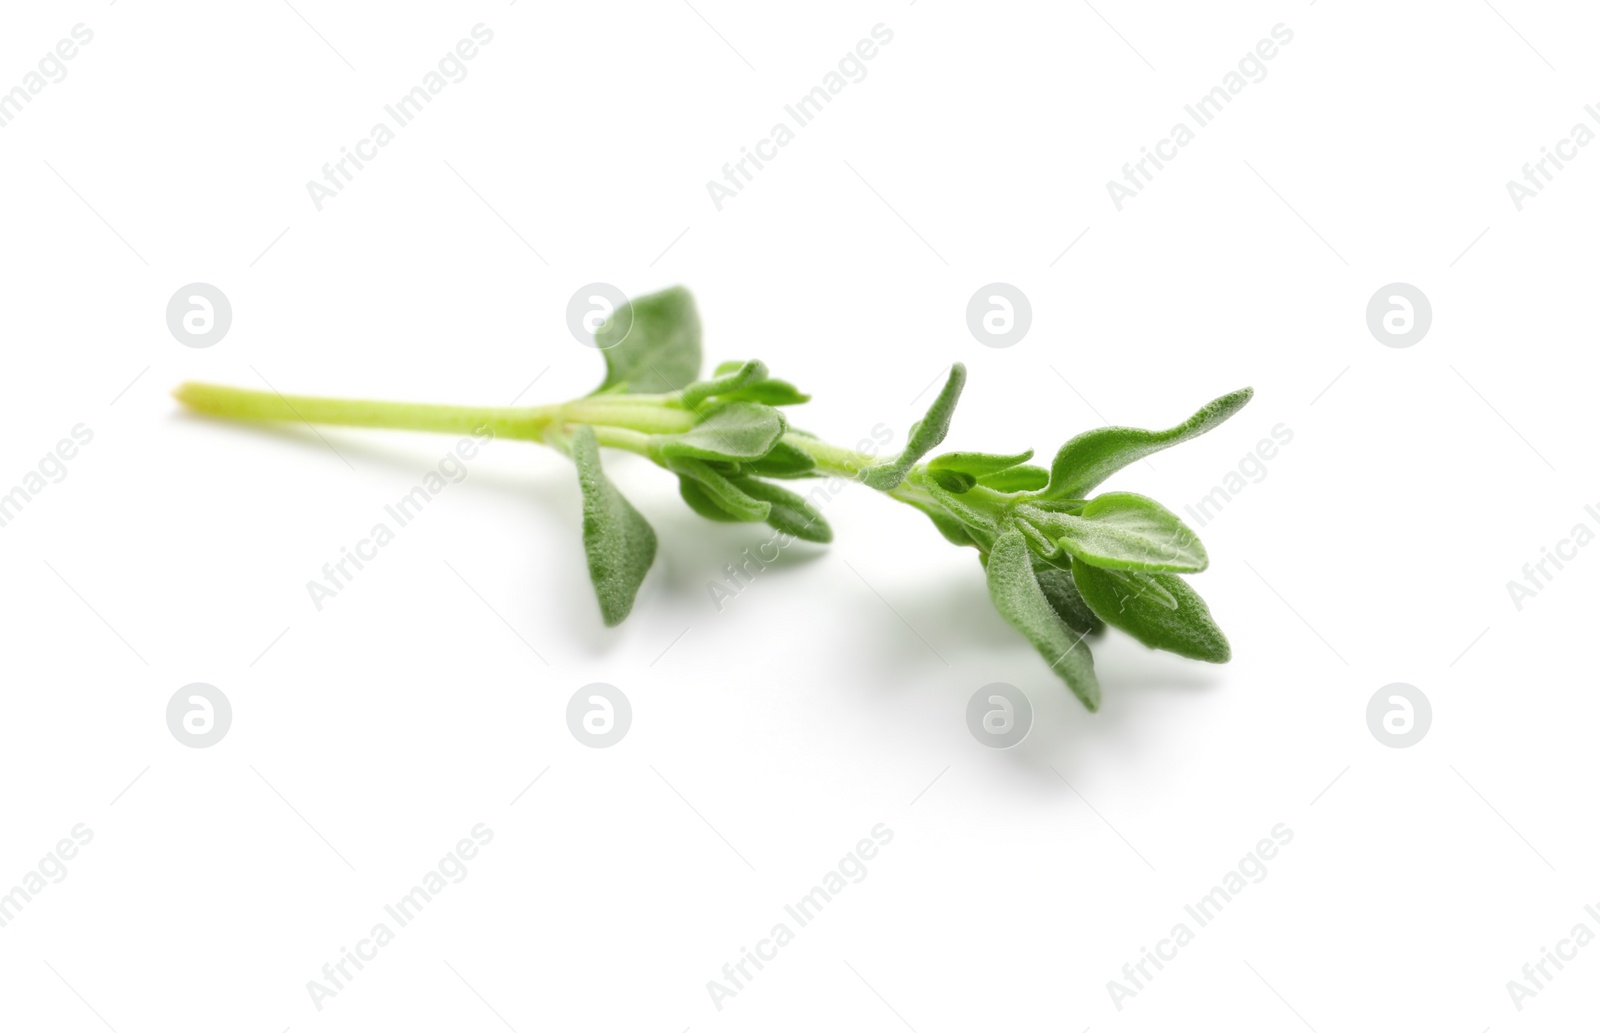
{"x": 618, "y": 541}
{"x": 925, "y": 435}
{"x": 790, "y": 513}
{"x": 739, "y": 430}
{"x": 766, "y": 390}
{"x": 971, "y": 515}
{"x": 770, "y": 392}
{"x": 1091, "y": 457}
{"x": 1122, "y": 531}
{"x": 784, "y": 460}
{"x": 1066, "y": 600}
{"x": 977, "y": 464}
{"x": 713, "y": 489}
{"x": 652, "y": 344}
{"x": 953, "y": 481}
{"x": 703, "y": 502}
{"x": 746, "y": 500}
{"x": 1043, "y": 546}
{"x": 1160, "y": 610}
{"x": 1015, "y": 591}
{"x": 723, "y": 385}
{"x": 959, "y": 471}
{"x": 1017, "y": 478}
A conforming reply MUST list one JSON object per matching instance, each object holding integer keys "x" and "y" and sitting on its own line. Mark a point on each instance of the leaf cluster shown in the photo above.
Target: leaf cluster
{"x": 726, "y": 461}
{"x": 1062, "y": 562}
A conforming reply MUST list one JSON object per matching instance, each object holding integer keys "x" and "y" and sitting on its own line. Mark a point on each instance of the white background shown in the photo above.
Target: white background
{"x": 369, "y": 737}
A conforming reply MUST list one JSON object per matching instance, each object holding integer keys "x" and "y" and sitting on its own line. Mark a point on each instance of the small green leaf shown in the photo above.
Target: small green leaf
{"x": 964, "y": 511}
{"x": 953, "y": 480}
{"x": 618, "y": 541}
{"x": 713, "y": 489}
{"x": 1018, "y": 478}
{"x": 1064, "y": 597}
{"x": 1015, "y": 591}
{"x": 651, "y": 344}
{"x": 954, "y": 531}
{"x": 767, "y": 391}
{"x": 738, "y": 430}
{"x": 746, "y": 500}
{"x": 1122, "y": 531}
{"x": 925, "y": 435}
{"x": 977, "y": 464}
{"x": 770, "y": 392}
{"x": 784, "y": 460}
{"x": 702, "y": 502}
{"x": 1160, "y": 610}
{"x": 724, "y": 384}
{"x": 790, "y": 513}
{"x": 1091, "y": 457}
{"x": 1073, "y": 507}
{"x": 1043, "y": 546}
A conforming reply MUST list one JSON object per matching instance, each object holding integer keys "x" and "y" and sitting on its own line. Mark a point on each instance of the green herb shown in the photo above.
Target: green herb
{"x": 1060, "y": 565}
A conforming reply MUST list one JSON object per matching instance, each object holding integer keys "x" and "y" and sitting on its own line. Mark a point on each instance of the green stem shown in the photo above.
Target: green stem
{"x": 526, "y": 424}
{"x": 622, "y": 437}
{"x": 835, "y": 460}
{"x": 619, "y": 421}
{"x": 657, "y": 419}
{"x": 242, "y": 404}
{"x": 847, "y": 463}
